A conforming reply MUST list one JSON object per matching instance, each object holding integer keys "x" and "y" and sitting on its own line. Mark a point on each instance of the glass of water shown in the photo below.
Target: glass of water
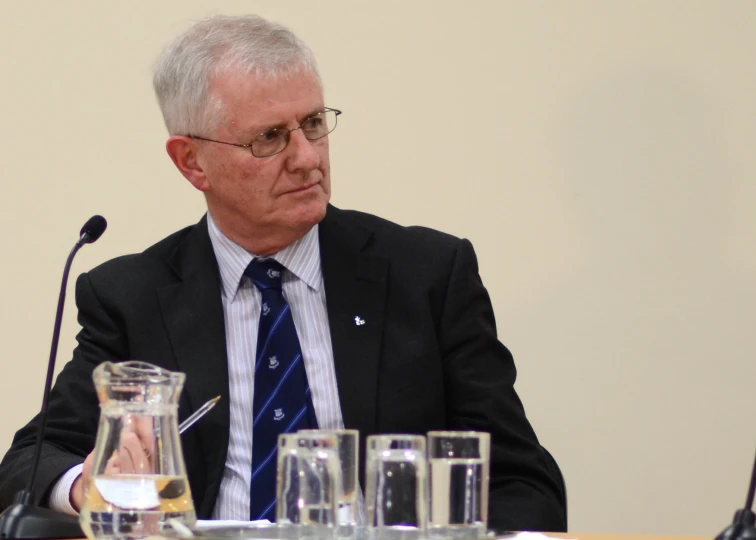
{"x": 347, "y": 441}
{"x": 459, "y": 471}
{"x": 308, "y": 482}
{"x": 396, "y": 491}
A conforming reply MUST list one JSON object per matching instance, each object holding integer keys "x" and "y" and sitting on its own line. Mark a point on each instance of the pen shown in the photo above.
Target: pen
{"x": 202, "y": 411}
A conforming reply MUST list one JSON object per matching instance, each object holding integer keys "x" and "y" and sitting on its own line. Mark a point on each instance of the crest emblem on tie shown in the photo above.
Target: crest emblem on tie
{"x": 273, "y": 274}
{"x": 265, "y": 309}
{"x": 358, "y": 321}
{"x": 278, "y": 414}
{"x": 273, "y": 362}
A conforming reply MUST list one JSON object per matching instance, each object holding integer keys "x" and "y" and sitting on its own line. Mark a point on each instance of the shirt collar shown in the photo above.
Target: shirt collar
{"x": 302, "y": 259}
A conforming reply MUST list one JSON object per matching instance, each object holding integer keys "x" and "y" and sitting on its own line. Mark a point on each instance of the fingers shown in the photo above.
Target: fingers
{"x": 132, "y": 457}
{"x": 143, "y": 426}
{"x": 137, "y": 446}
{"x": 113, "y": 464}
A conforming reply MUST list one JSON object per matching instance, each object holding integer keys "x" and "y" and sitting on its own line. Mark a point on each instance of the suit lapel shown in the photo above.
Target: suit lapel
{"x": 355, "y": 287}
{"x": 193, "y": 315}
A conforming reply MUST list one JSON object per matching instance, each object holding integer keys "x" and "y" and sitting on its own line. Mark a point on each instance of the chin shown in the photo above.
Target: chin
{"x": 312, "y": 213}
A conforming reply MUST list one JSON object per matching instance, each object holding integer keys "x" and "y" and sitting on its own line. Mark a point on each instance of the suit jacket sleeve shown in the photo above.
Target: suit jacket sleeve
{"x": 73, "y": 409}
{"x": 479, "y": 377}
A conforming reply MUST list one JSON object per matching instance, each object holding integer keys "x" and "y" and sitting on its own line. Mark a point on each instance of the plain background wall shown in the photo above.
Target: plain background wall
{"x": 599, "y": 154}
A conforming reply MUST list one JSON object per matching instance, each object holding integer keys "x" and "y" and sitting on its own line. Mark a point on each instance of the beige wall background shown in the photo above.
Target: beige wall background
{"x": 599, "y": 154}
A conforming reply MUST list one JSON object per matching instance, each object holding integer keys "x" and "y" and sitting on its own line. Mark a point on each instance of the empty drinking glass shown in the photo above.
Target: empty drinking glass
{"x": 459, "y": 469}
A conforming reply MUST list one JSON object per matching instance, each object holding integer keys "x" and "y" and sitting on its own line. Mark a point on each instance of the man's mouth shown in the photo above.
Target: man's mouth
{"x": 303, "y": 188}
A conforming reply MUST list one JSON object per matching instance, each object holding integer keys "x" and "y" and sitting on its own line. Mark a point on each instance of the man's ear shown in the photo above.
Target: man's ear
{"x": 183, "y": 152}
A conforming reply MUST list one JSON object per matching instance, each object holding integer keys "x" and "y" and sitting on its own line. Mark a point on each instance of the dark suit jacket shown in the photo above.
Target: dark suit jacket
{"x": 426, "y": 358}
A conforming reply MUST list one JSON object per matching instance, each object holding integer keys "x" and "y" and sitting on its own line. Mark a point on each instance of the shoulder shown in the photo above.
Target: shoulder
{"x": 413, "y": 253}
{"x": 388, "y": 235}
{"x": 152, "y": 264}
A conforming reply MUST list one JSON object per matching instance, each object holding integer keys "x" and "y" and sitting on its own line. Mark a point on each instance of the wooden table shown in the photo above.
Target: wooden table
{"x": 595, "y": 536}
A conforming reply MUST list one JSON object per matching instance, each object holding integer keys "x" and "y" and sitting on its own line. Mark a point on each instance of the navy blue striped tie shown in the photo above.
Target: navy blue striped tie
{"x": 282, "y": 402}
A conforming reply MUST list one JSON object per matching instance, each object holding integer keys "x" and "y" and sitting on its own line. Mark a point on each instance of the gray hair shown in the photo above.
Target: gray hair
{"x": 184, "y": 71}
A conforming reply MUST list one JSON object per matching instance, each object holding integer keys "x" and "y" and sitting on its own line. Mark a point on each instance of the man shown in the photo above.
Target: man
{"x": 383, "y": 328}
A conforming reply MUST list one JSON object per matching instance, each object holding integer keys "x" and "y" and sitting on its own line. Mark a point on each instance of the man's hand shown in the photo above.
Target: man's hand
{"x": 134, "y": 456}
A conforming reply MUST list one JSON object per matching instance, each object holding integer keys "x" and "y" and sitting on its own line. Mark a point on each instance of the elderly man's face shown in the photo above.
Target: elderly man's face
{"x": 278, "y": 197}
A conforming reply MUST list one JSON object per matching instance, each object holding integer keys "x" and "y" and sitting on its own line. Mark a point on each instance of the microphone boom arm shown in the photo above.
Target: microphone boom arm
{"x": 51, "y": 369}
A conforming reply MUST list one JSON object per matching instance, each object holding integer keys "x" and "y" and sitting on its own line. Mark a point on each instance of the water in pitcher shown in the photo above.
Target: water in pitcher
{"x": 136, "y": 505}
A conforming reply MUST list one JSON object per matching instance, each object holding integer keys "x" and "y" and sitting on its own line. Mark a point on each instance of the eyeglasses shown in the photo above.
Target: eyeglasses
{"x": 274, "y": 140}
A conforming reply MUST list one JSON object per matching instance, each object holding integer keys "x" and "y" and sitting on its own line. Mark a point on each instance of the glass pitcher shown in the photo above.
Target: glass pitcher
{"x": 138, "y": 485}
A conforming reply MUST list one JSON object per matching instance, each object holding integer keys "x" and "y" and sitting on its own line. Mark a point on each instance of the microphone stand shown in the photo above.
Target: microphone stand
{"x": 744, "y": 523}
{"x": 23, "y": 519}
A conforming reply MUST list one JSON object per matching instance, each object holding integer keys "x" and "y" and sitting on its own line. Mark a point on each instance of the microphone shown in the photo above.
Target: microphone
{"x": 92, "y": 230}
{"x": 744, "y": 523}
{"x": 23, "y": 519}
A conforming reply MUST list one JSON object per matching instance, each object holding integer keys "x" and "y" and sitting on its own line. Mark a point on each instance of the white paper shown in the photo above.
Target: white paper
{"x": 207, "y": 524}
{"x": 131, "y": 493}
{"x": 525, "y": 535}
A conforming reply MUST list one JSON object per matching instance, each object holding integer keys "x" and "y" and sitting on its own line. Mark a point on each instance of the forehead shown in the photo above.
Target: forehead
{"x": 252, "y": 101}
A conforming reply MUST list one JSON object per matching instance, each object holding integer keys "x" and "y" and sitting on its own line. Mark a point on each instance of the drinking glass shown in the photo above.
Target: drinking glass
{"x": 308, "y": 482}
{"x": 459, "y": 469}
{"x": 396, "y": 491}
{"x": 347, "y": 441}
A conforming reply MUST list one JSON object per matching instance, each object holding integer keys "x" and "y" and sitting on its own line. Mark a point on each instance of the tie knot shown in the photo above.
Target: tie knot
{"x": 265, "y": 273}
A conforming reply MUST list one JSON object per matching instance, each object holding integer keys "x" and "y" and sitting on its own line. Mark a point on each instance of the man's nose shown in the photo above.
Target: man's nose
{"x": 302, "y": 155}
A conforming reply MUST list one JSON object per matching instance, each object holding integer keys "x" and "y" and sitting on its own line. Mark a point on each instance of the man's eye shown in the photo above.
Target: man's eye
{"x": 313, "y": 123}
{"x": 269, "y": 136}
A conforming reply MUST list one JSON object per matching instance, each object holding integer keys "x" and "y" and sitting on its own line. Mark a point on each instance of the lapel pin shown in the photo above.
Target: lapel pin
{"x": 358, "y": 321}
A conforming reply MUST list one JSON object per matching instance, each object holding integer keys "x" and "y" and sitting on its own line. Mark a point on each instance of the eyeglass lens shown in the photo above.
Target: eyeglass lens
{"x": 275, "y": 140}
